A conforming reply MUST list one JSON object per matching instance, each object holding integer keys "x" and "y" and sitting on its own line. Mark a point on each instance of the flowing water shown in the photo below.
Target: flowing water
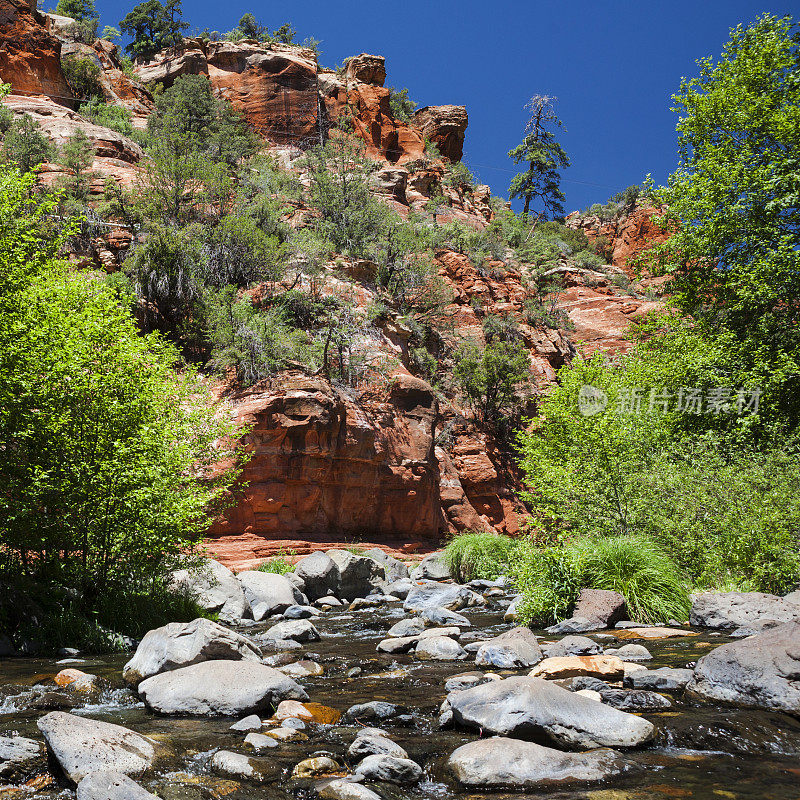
{"x": 702, "y": 751}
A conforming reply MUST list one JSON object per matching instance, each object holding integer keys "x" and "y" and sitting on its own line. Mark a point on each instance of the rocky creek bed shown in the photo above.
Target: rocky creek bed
{"x": 360, "y": 714}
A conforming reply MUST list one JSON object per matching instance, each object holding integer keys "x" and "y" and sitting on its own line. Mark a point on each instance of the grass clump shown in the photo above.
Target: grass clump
{"x": 550, "y": 578}
{"x": 479, "y": 555}
{"x": 279, "y": 564}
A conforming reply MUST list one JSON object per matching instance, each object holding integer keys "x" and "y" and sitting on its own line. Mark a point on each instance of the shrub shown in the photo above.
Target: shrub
{"x": 636, "y": 567}
{"x": 279, "y": 564}
{"x": 458, "y": 176}
{"x": 109, "y": 115}
{"x": 25, "y": 144}
{"x": 401, "y": 105}
{"x": 83, "y": 75}
{"x": 479, "y": 555}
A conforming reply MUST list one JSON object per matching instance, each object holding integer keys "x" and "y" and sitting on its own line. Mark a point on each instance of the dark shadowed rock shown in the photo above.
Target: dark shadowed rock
{"x": 266, "y": 592}
{"x": 729, "y": 610}
{"x": 319, "y": 573}
{"x": 665, "y": 679}
{"x": 527, "y": 707}
{"x": 358, "y": 575}
{"x": 500, "y": 762}
{"x": 394, "y": 570}
{"x": 762, "y": 671}
{"x": 181, "y": 644}
{"x": 573, "y": 646}
{"x": 219, "y": 688}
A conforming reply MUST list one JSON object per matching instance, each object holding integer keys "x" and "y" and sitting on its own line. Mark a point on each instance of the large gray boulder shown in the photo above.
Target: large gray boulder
{"x": 574, "y": 646}
{"x": 514, "y": 649}
{"x": 439, "y": 648}
{"x": 19, "y": 757}
{"x": 432, "y": 568}
{"x": 389, "y": 769}
{"x": 664, "y": 679}
{"x": 215, "y": 588}
{"x": 181, "y": 644}
{"x": 373, "y": 744}
{"x": 729, "y": 610}
{"x": 503, "y": 763}
{"x": 219, "y": 688}
{"x": 762, "y": 671}
{"x": 358, "y": 575}
{"x": 432, "y": 595}
{"x": 319, "y": 573}
{"x": 527, "y": 707}
{"x": 110, "y": 785}
{"x": 394, "y": 570}
{"x": 267, "y": 593}
{"x": 81, "y": 745}
{"x": 298, "y": 630}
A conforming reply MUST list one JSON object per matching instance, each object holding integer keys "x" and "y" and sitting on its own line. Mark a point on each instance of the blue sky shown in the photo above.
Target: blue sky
{"x": 613, "y": 66}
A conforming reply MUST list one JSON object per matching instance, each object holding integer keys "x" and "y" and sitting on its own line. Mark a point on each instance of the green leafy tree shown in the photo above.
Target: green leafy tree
{"x": 490, "y": 379}
{"x": 153, "y": 26}
{"x": 79, "y": 10}
{"x": 77, "y": 155}
{"x": 541, "y": 182}
{"x": 735, "y": 204}
{"x": 401, "y": 104}
{"x": 285, "y": 34}
{"x": 107, "y": 450}
{"x": 251, "y": 28}
{"x": 25, "y": 144}
{"x": 83, "y": 76}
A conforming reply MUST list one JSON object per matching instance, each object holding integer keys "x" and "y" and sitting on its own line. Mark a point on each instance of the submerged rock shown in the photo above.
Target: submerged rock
{"x": 219, "y": 688}
{"x": 236, "y": 765}
{"x": 181, "y": 644}
{"x": 762, "y": 671}
{"x": 533, "y": 707}
{"x": 503, "y": 763}
{"x": 81, "y": 745}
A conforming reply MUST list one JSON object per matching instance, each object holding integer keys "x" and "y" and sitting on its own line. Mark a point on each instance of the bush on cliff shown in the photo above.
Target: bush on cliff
{"x": 108, "y": 442}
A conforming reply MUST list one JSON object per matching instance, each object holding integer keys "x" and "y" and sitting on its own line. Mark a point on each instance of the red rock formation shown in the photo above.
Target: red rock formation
{"x": 326, "y": 463}
{"x": 445, "y": 126}
{"x": 30, "y": 57}
{"x": 367, "y": 69}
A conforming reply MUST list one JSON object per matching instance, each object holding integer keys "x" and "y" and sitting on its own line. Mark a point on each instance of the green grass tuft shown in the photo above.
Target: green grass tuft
{"x": 479, "y": 555}
{"x": 279, "y": 564}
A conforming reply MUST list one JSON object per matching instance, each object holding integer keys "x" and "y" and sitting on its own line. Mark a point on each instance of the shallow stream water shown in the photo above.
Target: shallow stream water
{"x": 702, "y": 752}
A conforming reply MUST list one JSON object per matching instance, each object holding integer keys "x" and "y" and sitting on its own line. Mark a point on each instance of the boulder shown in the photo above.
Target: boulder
{"x": 630, "y": 652}
{"x": 367, "y": 68}
{"x": 394, "y": 569}
{"x": 503, "y": 763}
{"x": 370, "y": 745}
{"x": 215, "y": 588}
{"x": 762, "y": 671}
{"x": 236, "y": 765}
{"x": 358, "y": 575}
{"x": 19, "y": 757}
{"x": 219, "y": 688}
{"x": 267, "y": 593}
{"x": 665, "y": 679}
{"x": 609, "y": 668}
{"x": 410, "y": 626}
{"x": 439, "y": 648}
{"x": 181, "y": 644}
{"x": 399, "y": 588}
{"x": 389, "y": 769}
{"x": 81, "y": 745}
{"x": 729, "y": 610}
{"x": 300, "y": 612}
{"x": 573, "y": 646}
{"x": 433, "y": 595}
{"x": 343, "y": 789}
{"x": 319, "y": 573}
{"x": 111, "y": 785}
{"x": 374, "y": 710}
{"x": 530, "y": 707}
{"x": 514, "y": 649}
{"x": 432, "y": 568}
{"x": 297, "y": 630}
{"x": 601, "y": 606}
{"x": 443, "y": 616}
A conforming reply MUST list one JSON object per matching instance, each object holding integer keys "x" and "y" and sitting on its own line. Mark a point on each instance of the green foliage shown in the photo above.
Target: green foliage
{"x": 542, "y": 311}
{"x": 541, "y": 182}
{"x": 401, "y": 105}
{"x": 109, "y": 115}
{"x": 108, "y": 450}
{"x": 83, "y": 75}
{"x": 110, "y": 33}
{"x": 79, "y": 10}
{"x": 77, "y": 155}
{"x": 152, "y": 26}
{"x": 25, "y": 144}
{"x": 279, "y": 564}
{"x": 458, "y": 176}
{"x": 490, "y": 378}
{"x": 735, "y": 202}
{"x": 479, "y": 555}
{"x": 285, "y": 34}
{"x": 250, "y": 28}
{"x": 653, "y": 586}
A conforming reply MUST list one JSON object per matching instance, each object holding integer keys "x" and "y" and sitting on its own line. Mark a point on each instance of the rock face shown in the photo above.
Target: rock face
{"x": 503, "y": 763}
{"x": 536, "y": 708}
{"x": 81, "y": 745}
{"x": 181, "y": 644}
{"x": 219, "y": 688}
{"x": 761, "y": 671}
{"x": 30, "y": 57}
{"x": 444, "y": 126}
{"x": 729, "y": 610}
{"x": 106, "y": 785}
